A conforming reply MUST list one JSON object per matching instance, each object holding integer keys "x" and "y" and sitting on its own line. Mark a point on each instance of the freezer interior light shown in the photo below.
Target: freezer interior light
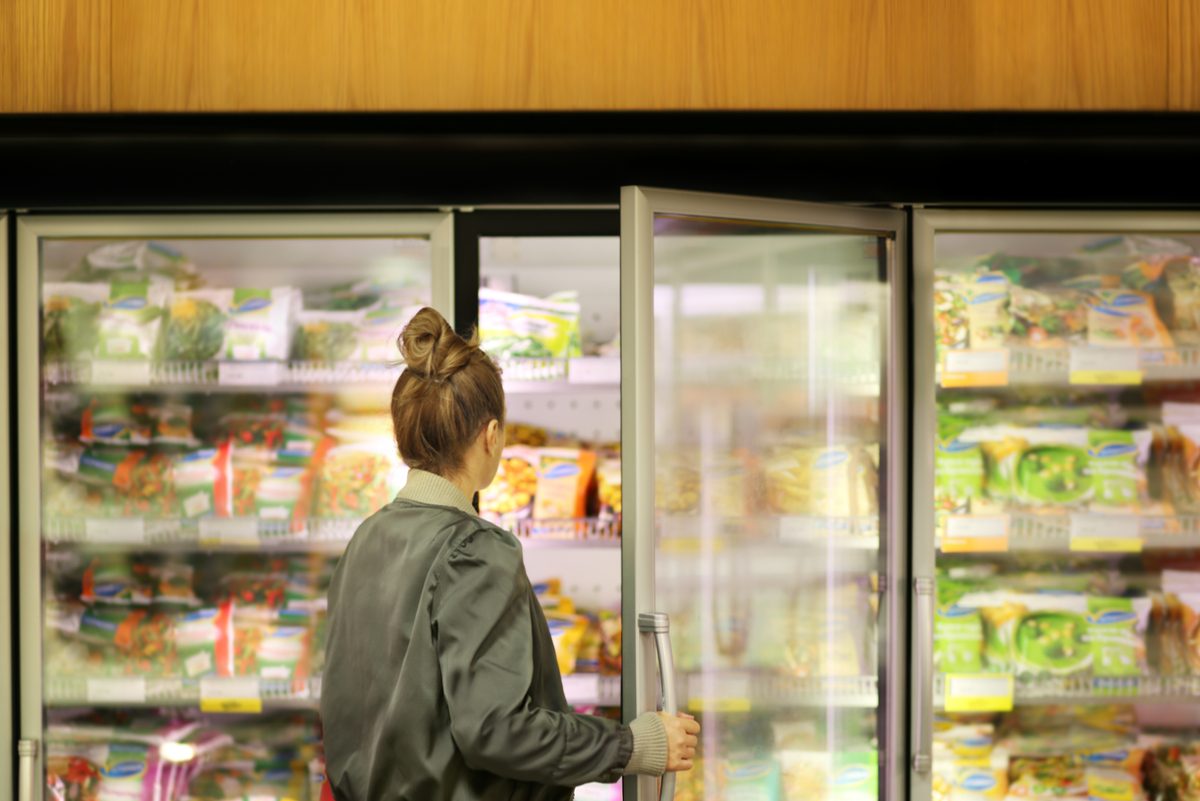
{"x": 177, "y": 752}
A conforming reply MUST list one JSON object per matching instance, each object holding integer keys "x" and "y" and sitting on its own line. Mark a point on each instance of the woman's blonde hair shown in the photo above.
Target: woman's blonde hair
{"x": 449, "y": 390}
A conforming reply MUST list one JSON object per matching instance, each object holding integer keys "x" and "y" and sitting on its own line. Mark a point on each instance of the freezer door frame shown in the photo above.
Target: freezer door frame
{"x": 8, "y": 746}
{"x": 31, "y": 230}
{"x": 639, "y": 205}
{"x": 927, "y": 224}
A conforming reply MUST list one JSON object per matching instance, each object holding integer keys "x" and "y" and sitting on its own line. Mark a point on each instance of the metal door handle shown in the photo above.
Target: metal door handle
{"x": 922, "y": 713}
{"x": 659, "y": 624}
{"x": 27, "y": 753}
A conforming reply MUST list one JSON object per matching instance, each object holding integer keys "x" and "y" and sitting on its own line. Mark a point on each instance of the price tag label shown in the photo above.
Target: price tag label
{"x": 116, "y": 691}
{"x": 594, "y": 370}
{"x": 976, "y": 534}
{"x": 975, "y": 368}
{"x": 223, "y": 530}
{"x": 720, "y": 693}
{"x": 230, "y": 695}
{"x": 117, "y": 530}
{"x": 979, "y": 692}
{"x": 132, "y": 373}
{"x": 1105, "y": 366}
{"x": 242, "y": 374}
{"x": 1096, "y": 533}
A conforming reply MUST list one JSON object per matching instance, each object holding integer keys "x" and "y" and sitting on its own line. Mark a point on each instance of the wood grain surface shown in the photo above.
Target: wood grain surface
{"x": 207, "y": 55}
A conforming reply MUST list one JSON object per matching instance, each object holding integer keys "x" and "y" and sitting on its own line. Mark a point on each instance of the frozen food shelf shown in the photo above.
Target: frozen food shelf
{"x": 130, "y": 691}
{"x": 1080, "y": 532}
{"x": 570, "y": 532}
{"x": 855, "y": 377}
{"x": 556, "y": 376}
{"x": 206, "y": 534}
{"x": 1083, "y": 365}
{"x": 832, "y": 533}
{"x": 1133, "y": 690}
{"x": 296, "y": 376}
{"x": 747, "y": 690}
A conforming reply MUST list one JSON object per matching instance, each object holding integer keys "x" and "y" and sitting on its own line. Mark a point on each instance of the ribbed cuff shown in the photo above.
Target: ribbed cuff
{"x": 649, "y": 746}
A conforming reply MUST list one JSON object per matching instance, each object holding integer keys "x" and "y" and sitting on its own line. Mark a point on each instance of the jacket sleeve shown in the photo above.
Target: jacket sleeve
{"x": 484, "y": 634}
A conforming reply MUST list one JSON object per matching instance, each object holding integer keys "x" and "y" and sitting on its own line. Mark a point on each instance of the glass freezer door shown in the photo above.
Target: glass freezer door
{"x": 762, "y": 424}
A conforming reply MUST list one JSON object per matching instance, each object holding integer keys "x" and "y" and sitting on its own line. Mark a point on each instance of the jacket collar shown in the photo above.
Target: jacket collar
{"x": 430, "y": 488}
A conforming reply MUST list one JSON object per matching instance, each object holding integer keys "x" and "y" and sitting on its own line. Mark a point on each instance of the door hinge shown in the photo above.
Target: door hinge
{"x": 923, "y": 585}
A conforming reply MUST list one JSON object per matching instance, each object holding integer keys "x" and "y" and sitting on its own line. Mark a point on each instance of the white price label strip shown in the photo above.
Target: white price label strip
{"x": 134, "y": 373}
{"x": 242, "y": 374}
{"x": 116, "y": 691}
{"x": 976, "y": 533}
{"x": 230, "y": 695}
{"x": 1098, "y": 533}
{"x": 115, "y": 530}
{"x": 975, "y": 368}
{"x": 1105, "y": 366}
{"x": 979, "y": 692}
{"x": 218, "y": 530}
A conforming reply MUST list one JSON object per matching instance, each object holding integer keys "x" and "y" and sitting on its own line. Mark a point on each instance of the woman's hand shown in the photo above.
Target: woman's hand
{"x": 682, "y": 738}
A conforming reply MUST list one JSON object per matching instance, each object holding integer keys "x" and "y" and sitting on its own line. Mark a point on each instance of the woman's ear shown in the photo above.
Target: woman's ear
{"x": 494, "y": 437}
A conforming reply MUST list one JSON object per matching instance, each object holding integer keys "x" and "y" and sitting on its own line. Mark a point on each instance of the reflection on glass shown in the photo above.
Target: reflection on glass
{"x": 768, "y": 424}
{"x": 214, "y": 424}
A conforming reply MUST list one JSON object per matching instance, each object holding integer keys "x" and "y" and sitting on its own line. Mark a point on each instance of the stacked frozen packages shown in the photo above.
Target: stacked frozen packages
{"x": 1063, "y": 754}
{"x": 553, "y": 478}
{"x": 1079, "y": 625}
{"x": 143, "y": 301}
{"x": 1119, "y": 292}
{"x": 149, "y": 617}
{"x": 282, "y": 460}
{"x": 585, "y": 641}
{"x": 514, "y": 326}
{"x": 1083, "y": 458}
{"x": 100, "y": 756}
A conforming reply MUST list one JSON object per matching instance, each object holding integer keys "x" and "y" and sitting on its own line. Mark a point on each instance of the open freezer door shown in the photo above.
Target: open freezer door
{"x": 763, "y": 436}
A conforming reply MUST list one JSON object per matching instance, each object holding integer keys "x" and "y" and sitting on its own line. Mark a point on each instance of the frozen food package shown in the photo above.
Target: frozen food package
{"x": 676, "y": 485}
{"x": 128, "y": 641}
{"x": 115, "y": 580}
{"x": 328, "y": 336}
{"x": 1125, "y": 318}
{"x": 567, "y": 632}
{"x": 1187, "y": 611}
{"x": 71, "y": 320}
{"x": 836, "y": 481}
{"x": 204, "y": 641}
{"x": 563, "y": 479}
{"x": 204, "y": 481}
{"x": 129, "y": 321}
{"x": 108, "y": 772}
{"x": 515, "y": 326}
{"x": 126, "y": 261}
{"x": 1052, "y": 469}
{"x": 957, "y": 639}
{"x": 952, "y": 328}
{"x": 608, "y": 488}
{"x": 1034, "y": 635}
{"x": 1117, "y": 465}
{"x": 510, "y": 495}
{"x": 195, "y": 324}
{"x": 171, "y": 424}
{"x": 1049, "y": 316}
{"x": 805, "y": 774}
{"x": 1183, "y": 285}
{"x": 752, "y": 779}
{"x": 988, "y": 317}
{"x": 1047, "y": 779}
{"x": 115, "y": 422}
{"x": 358, "y": 478}
{"x": 259, "y": 324}
{"x": 1116, "y": 632}
{"x": 959, "y": 477}
{"x": 379, "y": 332}
{"x": 173, "y": 583}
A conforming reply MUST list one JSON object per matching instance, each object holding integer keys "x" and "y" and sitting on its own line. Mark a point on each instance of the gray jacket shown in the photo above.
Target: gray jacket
{"x": 441, "y": 682}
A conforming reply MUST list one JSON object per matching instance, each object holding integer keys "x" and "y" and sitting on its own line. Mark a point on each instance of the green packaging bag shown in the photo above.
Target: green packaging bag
{"x": 1116, "y": 464}
{"x": 1116, "y": 635}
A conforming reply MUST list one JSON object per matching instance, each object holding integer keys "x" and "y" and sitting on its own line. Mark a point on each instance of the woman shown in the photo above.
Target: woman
{"x": 440, "y": 679}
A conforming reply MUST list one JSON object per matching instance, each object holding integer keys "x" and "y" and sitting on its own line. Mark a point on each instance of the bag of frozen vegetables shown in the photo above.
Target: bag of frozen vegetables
{"x": 327, "y": 336}
{"x": 203, "y": 481}
{"x": 358, "y": 478}
{"x": 259, "y": 324}
{"x": 71, "y": 320}
{"x": 135, "y": 261}
{"x": 519, "y": 326}
{"x": 195, "y": 327}
{"x": 129, "y": 320}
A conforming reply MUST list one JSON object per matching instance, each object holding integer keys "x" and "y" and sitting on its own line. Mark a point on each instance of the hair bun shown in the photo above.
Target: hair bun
{"x": 430, "y": 347}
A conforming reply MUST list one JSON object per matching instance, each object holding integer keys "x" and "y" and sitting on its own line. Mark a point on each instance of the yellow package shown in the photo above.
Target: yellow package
{"x": 563, "y": 478}
{"x": 840, "y": 481}
{"x": 567, "y": 633}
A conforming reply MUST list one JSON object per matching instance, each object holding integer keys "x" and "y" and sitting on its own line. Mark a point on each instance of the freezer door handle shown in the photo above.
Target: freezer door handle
{"x": 923, "y": 592}
{"x": 27, "y": 756}
{"x": 658, "y": 625}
